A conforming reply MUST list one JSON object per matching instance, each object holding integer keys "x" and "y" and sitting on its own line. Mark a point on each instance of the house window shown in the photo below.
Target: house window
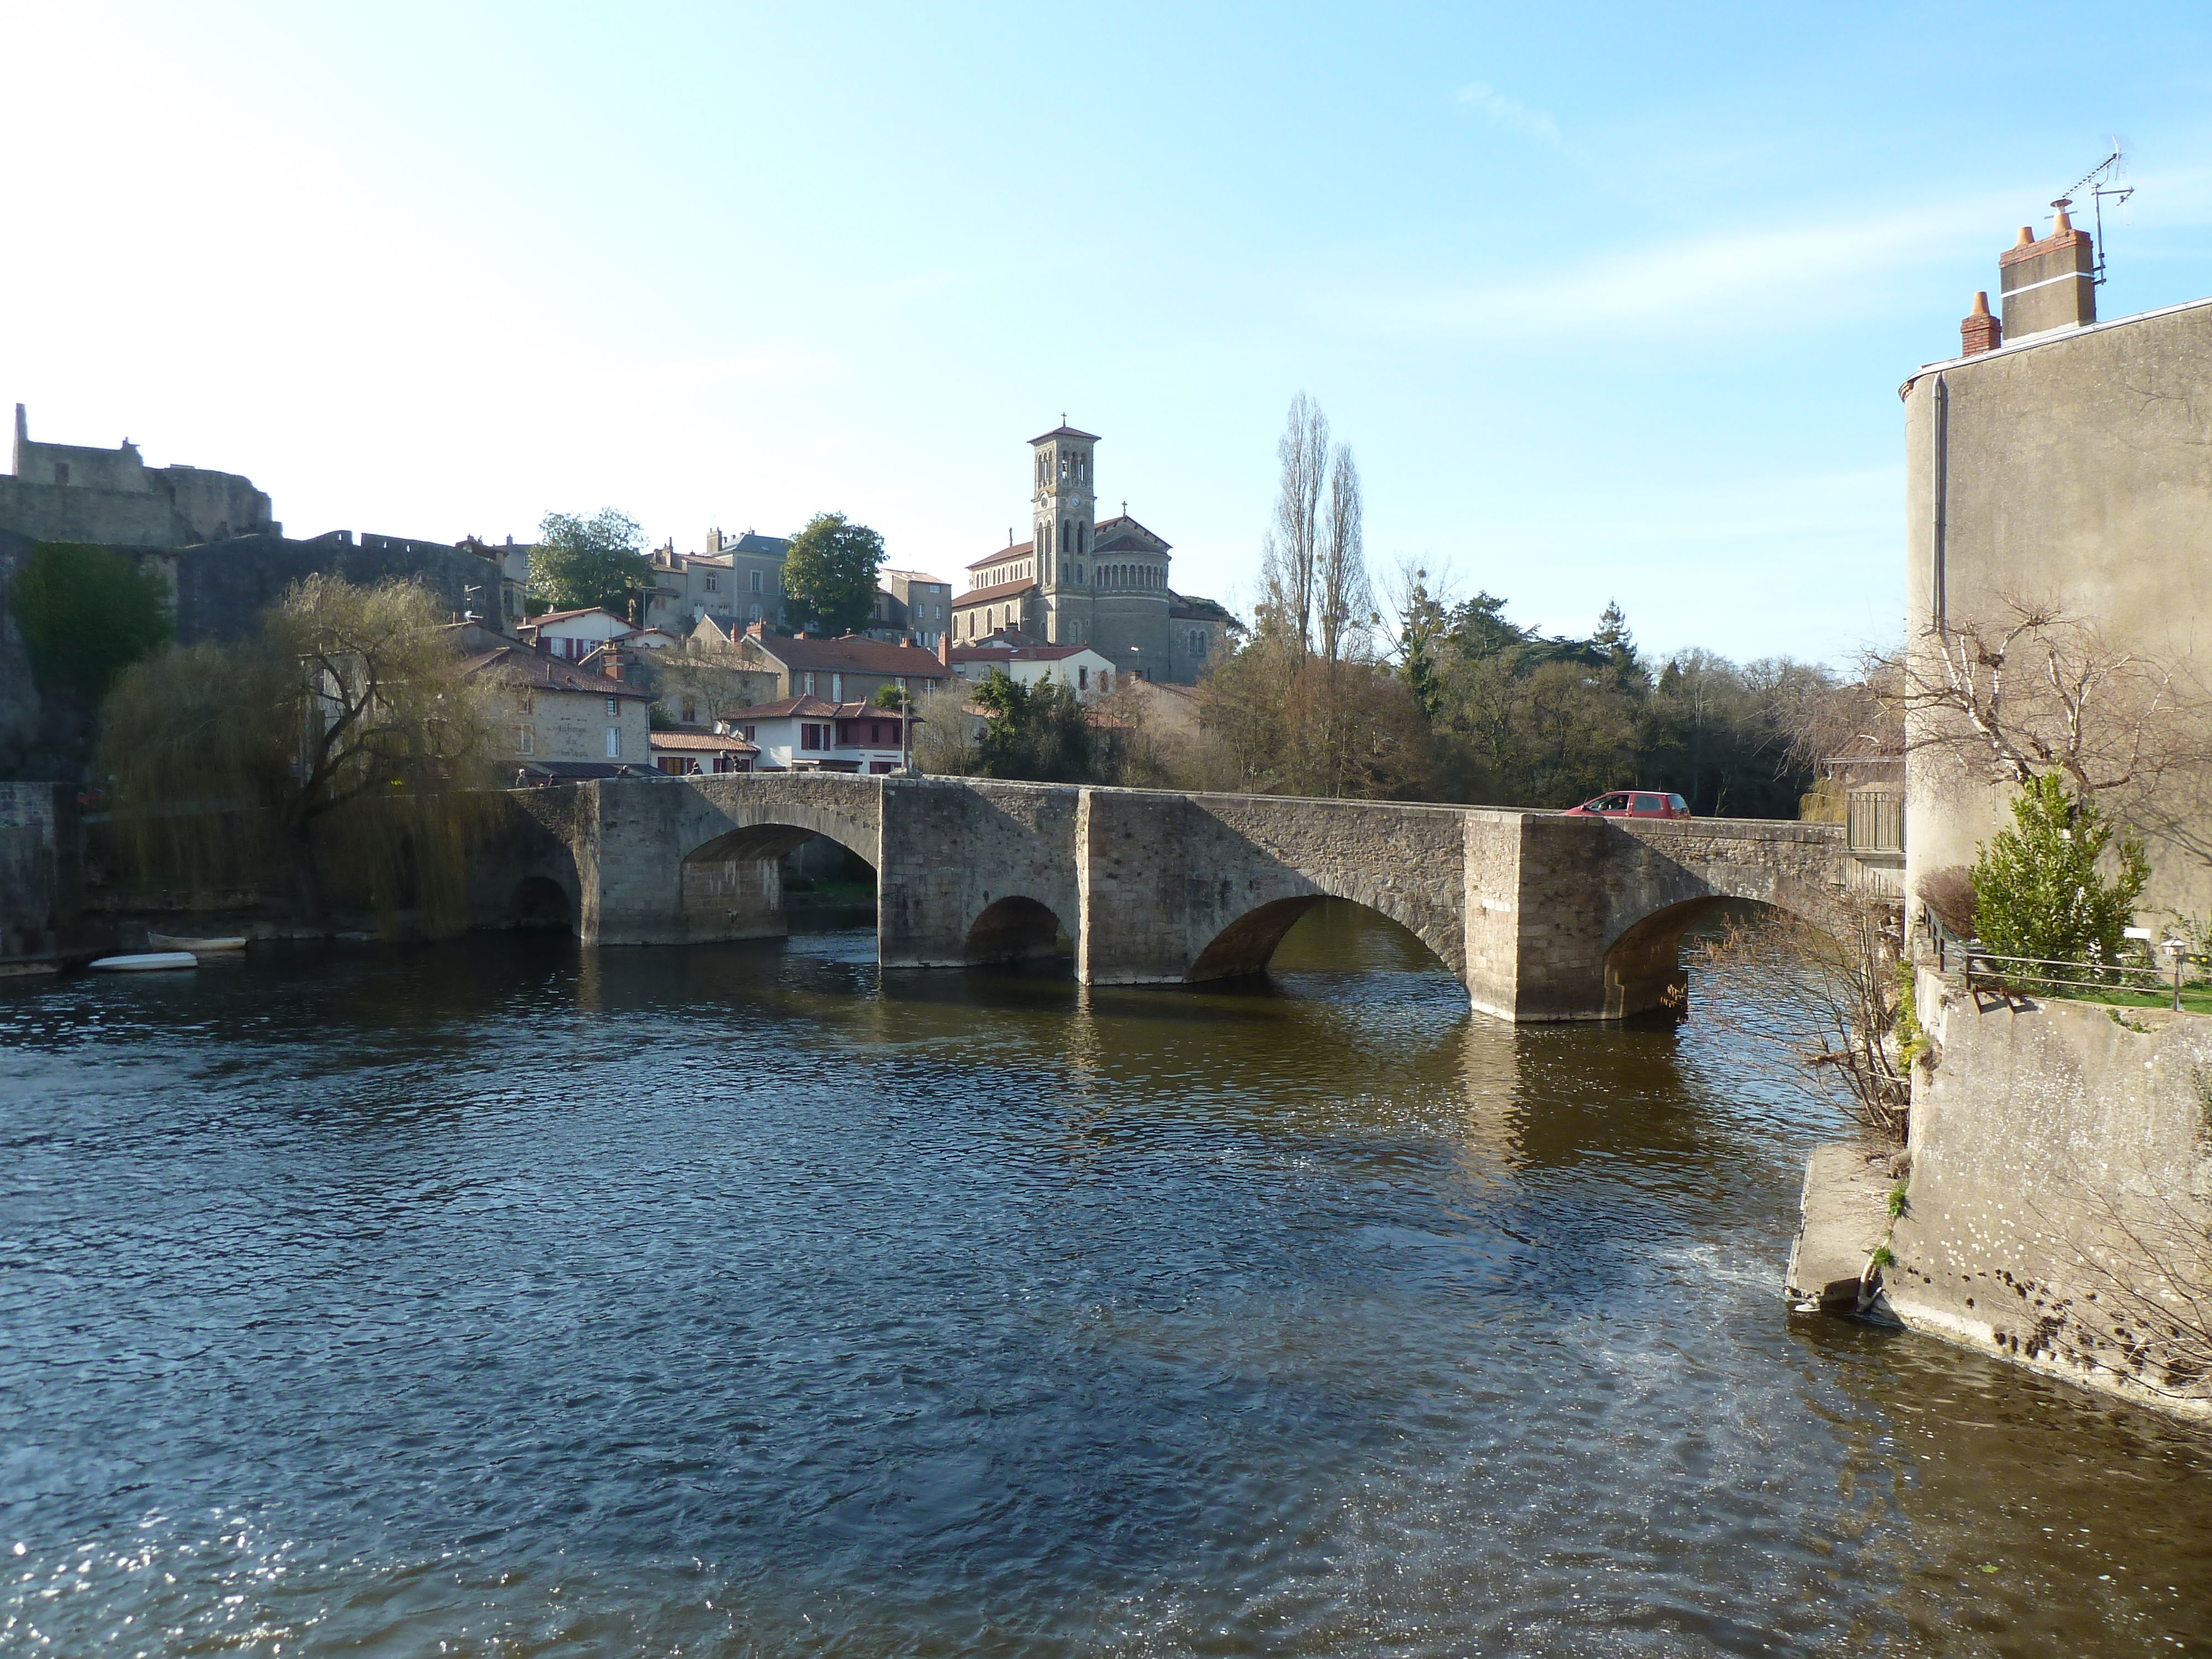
{"x": 525, "y": 739}
{"x": 613, "y": 707}
{"x": 1082, "y": 680}
{"x": 836, "y": 688}
{"x": 751, "y": 733}
{"x": 525, "y": 702}
{"x": 756, "y": 587}
{"x": 815, "y": 737}
{"x": 691, "y": 712}
{"x": 614, "y": 743}
{"x": 714, "y": 582}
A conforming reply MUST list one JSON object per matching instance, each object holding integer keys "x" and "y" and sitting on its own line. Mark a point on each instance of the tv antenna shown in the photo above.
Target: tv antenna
{"x": 2101, "y": 181}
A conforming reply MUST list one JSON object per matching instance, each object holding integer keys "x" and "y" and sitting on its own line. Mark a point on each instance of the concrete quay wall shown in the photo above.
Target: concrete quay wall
{"x": 2059, "y": 1212}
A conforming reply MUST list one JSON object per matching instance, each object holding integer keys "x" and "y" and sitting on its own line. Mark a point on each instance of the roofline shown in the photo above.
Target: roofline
{"x": 1064, "y": 430}
{"x": 2053, "y": 336}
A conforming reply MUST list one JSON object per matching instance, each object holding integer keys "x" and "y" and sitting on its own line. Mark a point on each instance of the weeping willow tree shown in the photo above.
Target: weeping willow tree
{"x": 336, "y": 752}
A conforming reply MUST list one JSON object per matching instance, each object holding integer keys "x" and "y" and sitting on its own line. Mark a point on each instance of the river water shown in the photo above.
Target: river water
{"x": 507, "y": 1299}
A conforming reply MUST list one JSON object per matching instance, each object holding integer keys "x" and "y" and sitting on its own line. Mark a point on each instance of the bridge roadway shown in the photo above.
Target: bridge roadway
{"x": 1540, "y": 916}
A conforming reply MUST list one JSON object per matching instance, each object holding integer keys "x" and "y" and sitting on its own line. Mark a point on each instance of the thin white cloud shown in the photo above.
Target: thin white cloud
{"x": 1507, "y": 112}
{"x": 1720, "y": 282}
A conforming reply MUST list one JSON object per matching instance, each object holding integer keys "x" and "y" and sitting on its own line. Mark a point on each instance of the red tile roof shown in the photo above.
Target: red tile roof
{"x": 852, "y": 653}
{"x": 1020, "y": 653}
{"x": 811, "y": 709}
{"x": 986, "y": 595}
{"x": 518, "y": 665}
{"x": 540, "y": 620}
{"x": 1006, "y": 553}
{"x": 710, "y": 742}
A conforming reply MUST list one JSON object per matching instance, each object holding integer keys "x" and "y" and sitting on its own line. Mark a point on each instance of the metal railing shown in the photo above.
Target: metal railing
{"x": 1984, "y": 969}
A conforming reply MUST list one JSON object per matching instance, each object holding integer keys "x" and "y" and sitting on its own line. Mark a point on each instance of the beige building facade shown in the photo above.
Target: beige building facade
{"x": 1083, "y": 581}
{"x": 2061, "y": 461}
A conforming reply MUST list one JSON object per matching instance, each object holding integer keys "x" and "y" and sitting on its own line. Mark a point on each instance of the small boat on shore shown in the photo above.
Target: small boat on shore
{"x": 145, "y": 962}
{"x": 199, "y": 947}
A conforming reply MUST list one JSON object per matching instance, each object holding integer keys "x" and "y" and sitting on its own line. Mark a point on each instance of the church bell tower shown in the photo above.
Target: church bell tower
{"x": 1063, "y": 505}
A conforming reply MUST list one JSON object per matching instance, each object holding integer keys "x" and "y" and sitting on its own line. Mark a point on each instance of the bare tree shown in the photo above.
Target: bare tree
{"x": 1818, "y": 1001}
{"x": 1346, "y": 601}
{"x": 2035, "y": 691}
{"x": 1291, "y": 553}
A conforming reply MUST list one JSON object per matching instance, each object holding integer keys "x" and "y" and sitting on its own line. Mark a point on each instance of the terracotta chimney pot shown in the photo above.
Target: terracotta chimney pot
{"x": 1980, "y": 331}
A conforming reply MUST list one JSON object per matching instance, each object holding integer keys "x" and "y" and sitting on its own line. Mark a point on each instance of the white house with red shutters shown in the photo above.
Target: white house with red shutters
{"x": 812, "y": 734}
{"x": 573, "y": 635}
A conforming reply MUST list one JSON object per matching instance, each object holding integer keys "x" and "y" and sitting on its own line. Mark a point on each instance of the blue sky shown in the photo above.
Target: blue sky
{"x": 1611, "y": 302}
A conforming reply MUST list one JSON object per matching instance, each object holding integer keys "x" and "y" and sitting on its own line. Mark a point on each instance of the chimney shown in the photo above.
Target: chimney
{"x": 613, "y": 666}
{"x": 755, "y": 630}
{"x": 1980, "y": 331}
{"x": 2050, "y": 284}
{"x": 944, "y": 649}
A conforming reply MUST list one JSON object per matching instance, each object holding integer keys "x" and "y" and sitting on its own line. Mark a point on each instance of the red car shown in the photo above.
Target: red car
{"x": 1633, "y": 804}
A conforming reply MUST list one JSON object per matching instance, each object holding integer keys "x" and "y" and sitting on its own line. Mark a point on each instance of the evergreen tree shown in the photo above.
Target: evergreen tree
{"x": 1038, "y": 732}
{"x": 2039, "y": 892}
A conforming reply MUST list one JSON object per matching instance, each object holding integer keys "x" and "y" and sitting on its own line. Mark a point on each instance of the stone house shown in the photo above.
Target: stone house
{"x": 912, "y": 602}
{"x": 848, "y": 669}
{"x": 1080, "y": 580}
{"x": 2059, "y": 459}
{"x": 553, "y": 711}
{"x": 735, "y": 581}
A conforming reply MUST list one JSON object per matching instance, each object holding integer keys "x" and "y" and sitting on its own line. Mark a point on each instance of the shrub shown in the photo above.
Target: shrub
{"x": 2038, "y": 891}
{"x": 1950, "y": 892}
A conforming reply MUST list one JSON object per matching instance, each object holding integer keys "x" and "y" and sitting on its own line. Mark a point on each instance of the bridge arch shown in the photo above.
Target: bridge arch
{"x": 1249, "y": 942}
{"x": 1643, "y": 971}
{"x": 1016, "y": 928}
{"x": 542, "y": 902}
{"x": 731, "y": 883}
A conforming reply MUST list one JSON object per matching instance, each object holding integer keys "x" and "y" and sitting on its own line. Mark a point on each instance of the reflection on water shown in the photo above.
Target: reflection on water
{"x": 743, "y": 1299}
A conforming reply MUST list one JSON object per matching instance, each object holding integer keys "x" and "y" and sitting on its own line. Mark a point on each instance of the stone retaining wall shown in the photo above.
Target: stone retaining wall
{"x": 2061, "y": 1193}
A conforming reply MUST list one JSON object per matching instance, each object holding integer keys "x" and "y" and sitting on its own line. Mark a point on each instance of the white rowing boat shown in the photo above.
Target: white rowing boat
{"x": 145, "y": 962}
{"x": 199, "y": 947}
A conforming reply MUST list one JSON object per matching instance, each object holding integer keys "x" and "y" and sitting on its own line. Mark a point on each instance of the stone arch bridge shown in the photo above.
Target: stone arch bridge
{"x": 1539, "y": 915}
